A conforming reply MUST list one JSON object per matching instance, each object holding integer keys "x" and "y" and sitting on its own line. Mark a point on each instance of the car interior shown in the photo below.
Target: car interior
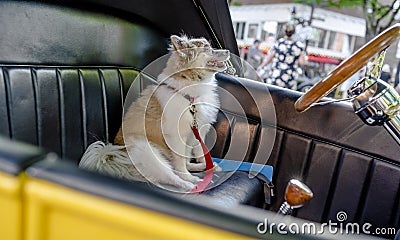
{"x": 66, "y": 68}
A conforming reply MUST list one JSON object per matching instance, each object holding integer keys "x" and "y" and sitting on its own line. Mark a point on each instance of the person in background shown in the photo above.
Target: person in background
{"x": 255, "y": 55}
{"x": 396, "y": 84}
{"x": 286, "y": 56}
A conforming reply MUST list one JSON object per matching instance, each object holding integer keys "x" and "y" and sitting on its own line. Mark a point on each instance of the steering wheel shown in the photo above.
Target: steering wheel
{"x": 348, "y": 67}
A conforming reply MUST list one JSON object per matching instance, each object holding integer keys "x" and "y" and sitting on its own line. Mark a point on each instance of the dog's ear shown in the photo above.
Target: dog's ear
{"x": 178, "y": 43}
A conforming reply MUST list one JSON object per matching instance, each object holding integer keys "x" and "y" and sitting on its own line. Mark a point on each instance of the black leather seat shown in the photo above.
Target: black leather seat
{"x": 63, "y": 81}
{"x": 67, "y": 105}
{"x": 73, "y": 107}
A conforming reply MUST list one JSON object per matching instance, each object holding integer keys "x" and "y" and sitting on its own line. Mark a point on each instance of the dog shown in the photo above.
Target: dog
{"x": 156, "y": 129}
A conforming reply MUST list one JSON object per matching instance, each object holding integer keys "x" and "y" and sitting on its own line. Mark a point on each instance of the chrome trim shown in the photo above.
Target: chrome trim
{"x": 285, "y": 209}
{"x": 377, "y": 103}
{"x": 393, "y": 127}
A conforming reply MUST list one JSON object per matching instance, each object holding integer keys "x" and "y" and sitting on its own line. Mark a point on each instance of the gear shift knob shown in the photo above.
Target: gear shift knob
{"x": 296, "y": 194}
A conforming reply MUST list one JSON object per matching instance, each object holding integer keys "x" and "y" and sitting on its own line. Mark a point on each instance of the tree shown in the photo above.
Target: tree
{"x": 378, "y": 15}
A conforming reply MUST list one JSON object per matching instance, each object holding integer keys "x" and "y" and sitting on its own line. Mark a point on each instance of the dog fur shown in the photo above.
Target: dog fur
{"x": 156, "y": 129}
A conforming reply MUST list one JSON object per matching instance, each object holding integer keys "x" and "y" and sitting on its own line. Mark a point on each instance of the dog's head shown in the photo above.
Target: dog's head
{"x": 197, "y": 54}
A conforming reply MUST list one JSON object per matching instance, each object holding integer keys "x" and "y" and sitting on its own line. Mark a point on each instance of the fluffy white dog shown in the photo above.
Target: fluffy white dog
{"x": 156, "y": 129}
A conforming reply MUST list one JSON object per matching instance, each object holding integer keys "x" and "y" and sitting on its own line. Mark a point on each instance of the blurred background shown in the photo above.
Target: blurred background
{"x": 331, "y": 31}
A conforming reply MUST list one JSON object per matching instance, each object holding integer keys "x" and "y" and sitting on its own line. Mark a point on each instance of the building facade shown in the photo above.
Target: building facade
{"x": 330, "y": 34}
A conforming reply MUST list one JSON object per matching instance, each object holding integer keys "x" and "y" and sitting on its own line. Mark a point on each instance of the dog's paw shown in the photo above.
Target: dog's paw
{"x": 196, "y": 167}
{"x": 186, "y": 186}
{"x": 217, "y": 168}
{"x": 190, "y": 178}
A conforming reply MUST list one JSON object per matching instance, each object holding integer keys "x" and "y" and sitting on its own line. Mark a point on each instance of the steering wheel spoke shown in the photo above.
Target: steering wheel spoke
{"x": 375, "y": 68}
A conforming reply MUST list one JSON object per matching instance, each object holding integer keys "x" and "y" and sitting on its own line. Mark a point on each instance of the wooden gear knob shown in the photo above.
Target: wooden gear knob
{"x": 297, "y": 193}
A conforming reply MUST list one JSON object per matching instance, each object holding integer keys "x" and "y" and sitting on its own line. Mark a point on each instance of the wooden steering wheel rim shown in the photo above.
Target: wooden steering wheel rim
{"x": 347, "y": 68}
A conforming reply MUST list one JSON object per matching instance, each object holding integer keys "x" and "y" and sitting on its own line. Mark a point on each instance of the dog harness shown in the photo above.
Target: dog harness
{"x": 201, "y": 186}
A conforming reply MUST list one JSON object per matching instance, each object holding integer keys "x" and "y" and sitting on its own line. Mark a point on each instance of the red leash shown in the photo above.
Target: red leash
{"x": 201, "y": 186}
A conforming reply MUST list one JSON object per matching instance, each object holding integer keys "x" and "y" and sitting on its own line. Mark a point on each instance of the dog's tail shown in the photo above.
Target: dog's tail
{"x": 145, "y": 162}
{"x": 110, "y": 160}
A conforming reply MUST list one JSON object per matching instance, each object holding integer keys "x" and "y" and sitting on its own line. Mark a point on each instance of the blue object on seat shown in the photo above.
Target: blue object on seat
{"x": 261, "y": 171}
{"x": 253, "y": 168}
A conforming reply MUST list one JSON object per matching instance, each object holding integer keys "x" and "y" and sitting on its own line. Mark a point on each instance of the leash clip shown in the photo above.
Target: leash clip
{"x": 193, "y": 111}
